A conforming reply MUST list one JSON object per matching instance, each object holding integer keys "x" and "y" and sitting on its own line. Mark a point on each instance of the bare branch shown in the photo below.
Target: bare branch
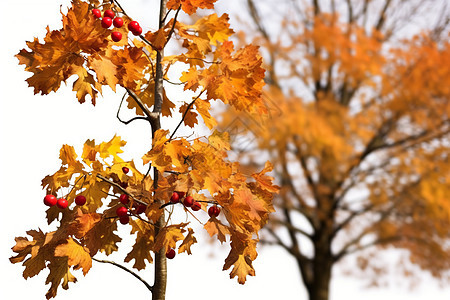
{"x": 131, "y": 120}
{"x": 148, "y": 286}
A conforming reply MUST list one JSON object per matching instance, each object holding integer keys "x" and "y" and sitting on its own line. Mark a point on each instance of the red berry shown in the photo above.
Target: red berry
{"x": 181, "y": 194}
{"x": 118, "y": 22}
{"x": 96, "y": 12}
{"x": 214, "y": 211}
{"x": 175, "y": 198}
{"x": 124, "y": 219}
{"x": 121, "y": 211}
{"x": 116, "y": 36}
{"x": 62, "y": 203}
{"x": 138, "y": 31}
{"x": 80, "y": 200}
{"x": 188, "y": 201}
{"x": 106, "y": 22}
{"x": 140, "y": 209}
{"x": 50, "y": 200}
{"x": 124, "y": 199}
{"x": 133, "y": 26}
{"x": 170, "y": 253}
{"x": 196, "y": 206}
{"x": 109, "y": 13}
{"x": 125, "y": 170}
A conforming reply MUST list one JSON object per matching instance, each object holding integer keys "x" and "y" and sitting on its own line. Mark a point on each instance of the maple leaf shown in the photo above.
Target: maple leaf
{"x": 59, "y": 271}
{"x": 202, "y": 107}
{"x": 105, "y": 69}
{"x": 238, "y": 79}
{"x": 37, "y": 260}
{"x": 76, "y": 254}
{"x": 190, "y": 116}
{"x": 188, "y": 241}
{"x": 214, "y": 226}
{"x": 190, "y": 6}
{"x": 243, "y": 252}
{"x": 169, "y": 236}
{"x": 264, "y": 181}
{"x": 83, "y": 223}
{"x": 101, "y": 237}
{"x": 60, "y": 56}
{"x": 144, "y": 244}
{"x": 220, "y": 140}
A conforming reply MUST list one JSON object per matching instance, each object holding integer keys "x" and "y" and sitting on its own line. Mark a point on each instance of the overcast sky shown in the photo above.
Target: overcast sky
{"x": 32, "y": 130}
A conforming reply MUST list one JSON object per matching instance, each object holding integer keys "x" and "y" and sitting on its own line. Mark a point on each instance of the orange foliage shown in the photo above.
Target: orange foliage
{"x": 198, "y": 167}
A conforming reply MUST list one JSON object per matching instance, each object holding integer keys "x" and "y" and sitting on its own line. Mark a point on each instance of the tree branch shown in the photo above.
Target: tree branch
{"x": 121, "y": 188}
{"x": 148, "y": 286}
{"x": 184, "y": 115}
{"x": 131, "y": 120}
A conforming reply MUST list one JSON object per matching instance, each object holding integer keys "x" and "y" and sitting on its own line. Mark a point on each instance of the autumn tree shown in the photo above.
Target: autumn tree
{"x": 358, "y": 131}
{"x": 96, "y": 191}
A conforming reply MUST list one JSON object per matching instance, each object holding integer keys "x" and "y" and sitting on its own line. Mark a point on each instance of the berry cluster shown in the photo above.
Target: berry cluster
{"x": 62, "y": 203}
{"x": 189, "y": 201}
{"x": 122, "y": 211}
{"x": 109, "y": 18}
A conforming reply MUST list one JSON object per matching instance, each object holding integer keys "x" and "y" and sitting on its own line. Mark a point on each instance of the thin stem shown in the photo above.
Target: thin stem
{"x": 148, "y": 286}
{"x": 131, "y": 120}
{"x": 184, "y": 115}
{"x": 121, "y": 188}
{"x": 173, "y": 25}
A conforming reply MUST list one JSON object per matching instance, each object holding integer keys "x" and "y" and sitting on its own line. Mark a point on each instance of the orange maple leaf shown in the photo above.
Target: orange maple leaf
{"x": 190, "y": 6}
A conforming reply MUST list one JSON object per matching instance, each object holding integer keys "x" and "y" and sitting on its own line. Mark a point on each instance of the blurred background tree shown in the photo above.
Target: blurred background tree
{"x": 359, "y": 131}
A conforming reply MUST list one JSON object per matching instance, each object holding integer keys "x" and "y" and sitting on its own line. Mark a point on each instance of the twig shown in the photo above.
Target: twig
{"x": 131, "y": 120}
{"x": 121, "y": 188}
{"x": 148, "y": 286}
{"x": 173, "y": 25}
{"x": 184, "y": 115}
{"x": 152, "y": 116}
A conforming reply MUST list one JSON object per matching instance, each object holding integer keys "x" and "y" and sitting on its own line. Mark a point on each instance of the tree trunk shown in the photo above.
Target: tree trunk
{"x": 160, "y": 283}
{"x": 320, "y": 285}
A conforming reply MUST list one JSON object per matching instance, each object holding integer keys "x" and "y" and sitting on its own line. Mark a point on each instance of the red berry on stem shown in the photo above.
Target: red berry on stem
{"x": 62, "y": 203}
{"x": 188, "y": 201}
{"x": 121, "y": 211}
{"x": 96, "y": 12}
{"x": 133, "y": 26}
{"x": 180, "y": 194}
{"x": 80, "y": 200}
{"x": 138, "y": 31}
{"x": 170, "y": 253}
{"x": 214, "y": 211}
{"x": 175, "y": 198}
{"x": 125, "y": 170}
{"x": 106, "y": 22}
{"x": 109, "y": 13}
{"x": 124, "y": 199}
{"x": 50, "y": 200}
{"x": 196, "y": 206}
{"x": 118, "y": 22}
{"x": 116, "y": 36}
{"x": 124, "y": 219}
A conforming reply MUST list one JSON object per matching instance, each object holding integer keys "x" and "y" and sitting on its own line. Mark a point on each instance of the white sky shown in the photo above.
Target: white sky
{"x": 32, "y": 130}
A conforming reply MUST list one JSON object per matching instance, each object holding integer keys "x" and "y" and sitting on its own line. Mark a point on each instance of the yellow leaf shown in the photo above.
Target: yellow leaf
{"x": 188, "y": 241}
{"x": 169, "y": 236}
{"x": 76, "y": 254}
{"x": 144, "y": 244}
{"x": 214, "y": 226}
